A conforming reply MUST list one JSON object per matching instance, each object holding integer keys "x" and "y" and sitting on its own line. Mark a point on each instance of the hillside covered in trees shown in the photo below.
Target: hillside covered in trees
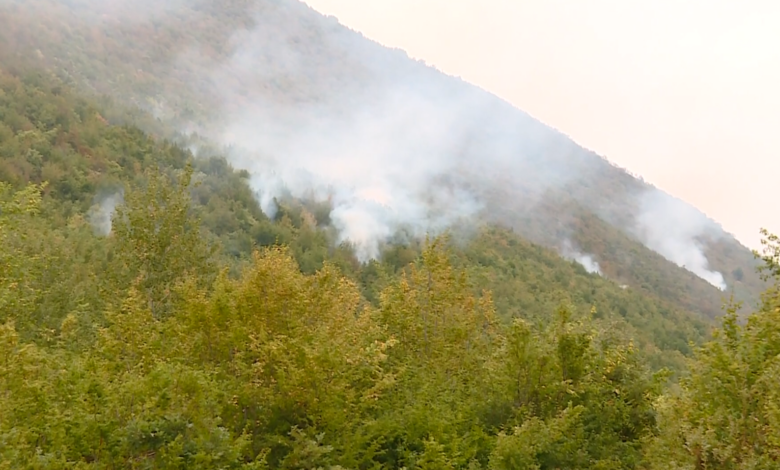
{"x": 159, "y": 308}
{"x": 190, "y": 330}
{"x": 276, "y": 87}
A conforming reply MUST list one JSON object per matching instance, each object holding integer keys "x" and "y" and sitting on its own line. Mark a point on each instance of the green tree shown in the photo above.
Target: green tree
{"x": 158, "y": 241}
{"x": 443, "y": 362}
{"x": 727, "y": 412}
{"x": 16, "y": 207}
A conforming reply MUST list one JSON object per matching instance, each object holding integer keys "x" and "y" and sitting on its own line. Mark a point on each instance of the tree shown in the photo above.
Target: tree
{"x": 770, "y": 255}
{"x": 15, "y": 262}
{"x": 727, "y": 414}
{"x": 158, "y": 241}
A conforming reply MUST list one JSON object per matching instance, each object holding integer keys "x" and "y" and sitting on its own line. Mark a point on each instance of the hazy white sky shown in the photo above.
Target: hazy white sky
{"x": 685, "y": 93}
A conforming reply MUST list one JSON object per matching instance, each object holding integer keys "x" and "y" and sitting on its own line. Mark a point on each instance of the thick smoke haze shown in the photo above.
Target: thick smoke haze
{"x": 379, "y": 170}
{"x": 308, "y": 107}
{"x": 379, "y": 167}
{"x": 396, "y": 145}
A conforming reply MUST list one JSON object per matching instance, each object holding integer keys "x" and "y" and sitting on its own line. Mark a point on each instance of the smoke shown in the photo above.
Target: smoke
{"x": 587, "y": 261}
{"x": 379, "y": 169}
{"x": 388, "y": 141}
{"x": 102, "y": 210}
{"x": 677, "y": 231}
{"x": 309, "y": 107}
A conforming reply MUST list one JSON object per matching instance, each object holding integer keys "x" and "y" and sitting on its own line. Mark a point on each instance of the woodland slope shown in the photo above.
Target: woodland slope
{"x": 269, "y": 82}
{"x": 153, "y": 316}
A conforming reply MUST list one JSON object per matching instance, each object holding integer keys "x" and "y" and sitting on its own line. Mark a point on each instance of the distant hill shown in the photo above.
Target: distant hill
{"x": 390, "y": 142}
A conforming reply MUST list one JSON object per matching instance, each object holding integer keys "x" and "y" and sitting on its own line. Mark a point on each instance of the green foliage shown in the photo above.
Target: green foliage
{"x": 529, "y": 282}
{"x": 281, "y": 368}
{"x": 15, "y": 208}
{"x": 201, "y": 334}
{"x": 135, "y": 55}
{"x": 770, "y": 256}
{"x": 726, "y": 414}
{"x": 158, "y": 242}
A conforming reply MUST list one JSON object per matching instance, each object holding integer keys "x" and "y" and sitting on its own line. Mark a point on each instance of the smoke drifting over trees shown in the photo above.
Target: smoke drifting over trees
{"x": 100, "y": 214}
{"x": 394, "y": 145}
{"x": 587, "y": 261}
{"x": 203, "y": 333}
{"x": 310, "y": 107}
{"x": 676, "y": 231}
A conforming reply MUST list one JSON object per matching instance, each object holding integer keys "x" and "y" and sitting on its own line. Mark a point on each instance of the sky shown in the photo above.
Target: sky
{"x": 685, "y": 93}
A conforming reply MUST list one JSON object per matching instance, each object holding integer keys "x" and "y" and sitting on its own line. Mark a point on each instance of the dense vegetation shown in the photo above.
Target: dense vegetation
{"x": 174, "y": 59}
{"x": 198, "y": 333}
{"x": 152, "y": 316}
{"x": 52, "y": 137}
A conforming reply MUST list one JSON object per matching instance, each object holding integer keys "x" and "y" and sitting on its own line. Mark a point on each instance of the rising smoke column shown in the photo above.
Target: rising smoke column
{"x": 674, "y": 229}
{"x": 388, "y": 141}
{"x": 587, "y": 261}
{"x": 102, "y": 210}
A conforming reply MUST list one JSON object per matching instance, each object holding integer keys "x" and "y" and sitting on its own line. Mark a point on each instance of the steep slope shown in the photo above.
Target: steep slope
{"x": 89, "y": 164}
{"x": 288, "y": 89}
{"x": 123, "y": 346}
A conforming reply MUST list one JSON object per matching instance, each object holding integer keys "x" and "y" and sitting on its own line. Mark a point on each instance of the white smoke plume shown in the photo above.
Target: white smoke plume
{"x": 310, "y": 107}
{"x": 102, "y": 210}
{"x": 390, "y": 145}
{"x": 378, "y": 168}
{"x": 587, "y": 261}
{"x": 675, "y": 230}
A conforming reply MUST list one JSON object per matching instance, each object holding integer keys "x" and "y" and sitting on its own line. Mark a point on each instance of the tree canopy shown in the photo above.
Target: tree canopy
{"x": 151, "y": 316}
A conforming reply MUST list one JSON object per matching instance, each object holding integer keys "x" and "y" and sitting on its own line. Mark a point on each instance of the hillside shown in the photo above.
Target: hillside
{"x": 156, "y": 313}
{"x": 89, "y": 165}
{"x": 280, "y": 89}
{"x": 149, "y": 318}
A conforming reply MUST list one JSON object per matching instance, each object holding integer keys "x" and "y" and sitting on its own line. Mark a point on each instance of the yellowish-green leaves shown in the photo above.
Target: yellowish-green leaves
{"x": 16, "y": 209}
{"x": 158, "y": 241}
{"x": 726, "y": 413}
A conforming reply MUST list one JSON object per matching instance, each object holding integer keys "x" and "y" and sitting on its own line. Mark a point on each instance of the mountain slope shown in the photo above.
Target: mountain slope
{"x": 128, "y": 341}
{"x": 288, "y": 89}
{"x": 90, "y": 165}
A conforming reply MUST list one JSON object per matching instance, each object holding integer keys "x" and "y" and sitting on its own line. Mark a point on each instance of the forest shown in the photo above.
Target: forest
{"x": 152, "y": 316}
{"x": 207, "y": 66}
